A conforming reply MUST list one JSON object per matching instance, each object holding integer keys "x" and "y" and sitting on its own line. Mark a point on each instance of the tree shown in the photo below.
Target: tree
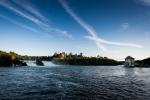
{"x": 6, "y": 60}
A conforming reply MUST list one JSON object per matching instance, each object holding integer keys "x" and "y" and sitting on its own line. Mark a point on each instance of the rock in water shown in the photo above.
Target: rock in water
{"x": 39, "y": 62}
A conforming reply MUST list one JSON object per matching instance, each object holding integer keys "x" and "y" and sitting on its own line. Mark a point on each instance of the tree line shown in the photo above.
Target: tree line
{"x": 79, "y": 59}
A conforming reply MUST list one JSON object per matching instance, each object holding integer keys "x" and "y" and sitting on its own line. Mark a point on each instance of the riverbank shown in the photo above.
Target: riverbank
{"x": 14, "y": 59}
{"x": 10, "y": 59}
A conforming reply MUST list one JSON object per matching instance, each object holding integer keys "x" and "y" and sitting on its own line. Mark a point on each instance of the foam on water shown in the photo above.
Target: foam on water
{"x": 46, "y": 63}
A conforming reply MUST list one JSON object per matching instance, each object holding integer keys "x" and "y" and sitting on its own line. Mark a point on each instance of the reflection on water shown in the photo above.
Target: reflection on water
{"x": 142, "y": 71}
{"x": 75, "y": 83}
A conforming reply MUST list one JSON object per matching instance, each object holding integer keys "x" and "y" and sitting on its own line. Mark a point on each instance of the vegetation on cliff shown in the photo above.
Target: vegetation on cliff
{"x": 10, "y": 59}
{"x": 143, "y": 63}
{"x": 75, "y": 59}
{"x": 43, "y": 58}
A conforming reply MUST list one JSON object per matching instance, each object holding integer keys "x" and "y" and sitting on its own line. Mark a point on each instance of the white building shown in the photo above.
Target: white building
{"x": 129, "y": 61}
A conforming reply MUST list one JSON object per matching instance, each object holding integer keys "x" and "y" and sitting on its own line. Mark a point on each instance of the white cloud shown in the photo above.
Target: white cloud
{"x": 114, "y": 43}
{"x": 37, "y": 19}
{"x": 93, "y": 35}
{"x": 87, "y": 27}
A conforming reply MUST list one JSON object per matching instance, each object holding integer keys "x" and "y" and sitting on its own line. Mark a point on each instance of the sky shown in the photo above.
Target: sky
{"x": 112, "y": 28}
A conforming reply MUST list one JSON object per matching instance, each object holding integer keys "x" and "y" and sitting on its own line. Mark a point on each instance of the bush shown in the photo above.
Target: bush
{"x": 10, "y": 59}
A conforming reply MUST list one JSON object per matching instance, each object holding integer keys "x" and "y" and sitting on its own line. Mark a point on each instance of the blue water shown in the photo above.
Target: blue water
{"x": 53, "y": 82}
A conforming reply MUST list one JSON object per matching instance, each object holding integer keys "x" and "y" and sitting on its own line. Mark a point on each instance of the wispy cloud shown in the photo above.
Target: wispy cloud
{"x": 23, "y": 26}
{"x": 64, "y": 33}
{"x": 7, "y": 4}
{"x": 114, "y": 43}
{"x": 92, "y": 33}
{"x": 145, "y": 2}
{"x": 32, "y": 15}
{"x": 19, "y": 24}
{"x": 88, "y": 28}
{"x": 30, "y": 8}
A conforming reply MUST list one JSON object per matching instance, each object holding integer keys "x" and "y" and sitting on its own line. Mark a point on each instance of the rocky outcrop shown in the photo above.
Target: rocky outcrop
{"x": 39, "y": 62}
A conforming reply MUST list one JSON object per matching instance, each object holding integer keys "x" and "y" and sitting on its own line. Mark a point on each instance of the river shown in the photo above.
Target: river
{"x": 51, "y": 82}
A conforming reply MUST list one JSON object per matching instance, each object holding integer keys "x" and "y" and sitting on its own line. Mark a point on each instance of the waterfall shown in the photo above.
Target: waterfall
{"x": 46, "y": 63}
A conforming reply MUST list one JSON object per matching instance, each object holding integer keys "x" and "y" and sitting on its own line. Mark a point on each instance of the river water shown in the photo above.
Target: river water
{"x": 51, "y": 82}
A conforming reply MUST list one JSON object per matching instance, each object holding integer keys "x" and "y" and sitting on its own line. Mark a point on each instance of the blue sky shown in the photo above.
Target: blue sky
{"x": 112, "y": 28}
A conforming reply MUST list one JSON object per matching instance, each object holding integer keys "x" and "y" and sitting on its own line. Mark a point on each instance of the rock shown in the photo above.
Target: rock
{"x": 23, "y": 64}
{"x": 39, "y": 62}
